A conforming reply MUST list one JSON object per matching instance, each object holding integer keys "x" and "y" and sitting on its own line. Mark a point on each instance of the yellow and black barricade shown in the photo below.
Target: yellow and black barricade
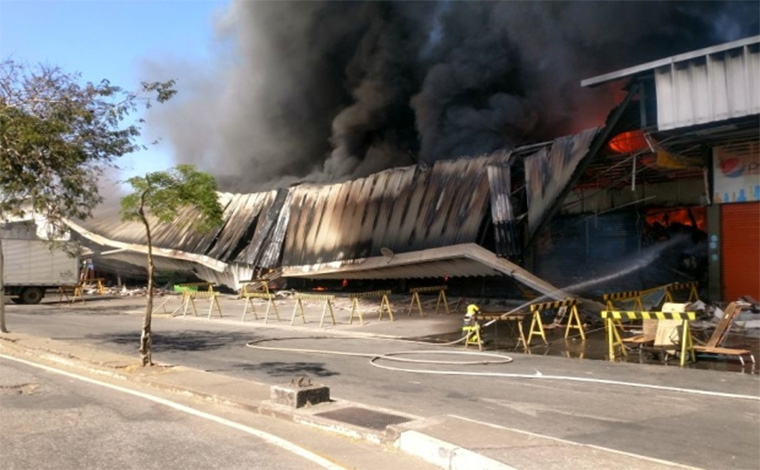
{"x": 385, "y": 304}
{"x": 614, "y": 340}
{"x": 676, "y": 286}
{"x": 189, "y": 294}
{"x": 573, "y": 321}
{"x": 442, "y": 300}
{"x": 634, "y": 295}
{"x": 327, "y": 299}
{"x": 512, "y": 319}
{"x": 264, "y": 295}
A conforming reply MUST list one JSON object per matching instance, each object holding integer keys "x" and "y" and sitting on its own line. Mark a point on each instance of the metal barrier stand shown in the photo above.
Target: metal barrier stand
{"x": 511, "y": 319}
{"x": 189, "y": 295}
{"x": 385, "y": 305}
{"x": 537, "y": 326}
{"x": 98, "y": 283}
{"x": 675, "y": 286}
{"x": 299, "y": 306}
{"x": 76, "y": 293}
{"x": 614, "y": 339}
{"x": 415, "y": 291}
{"x": 249, "y": 296}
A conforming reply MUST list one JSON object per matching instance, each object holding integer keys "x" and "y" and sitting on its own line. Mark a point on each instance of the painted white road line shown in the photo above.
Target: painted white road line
{"x": 266, "y": 437}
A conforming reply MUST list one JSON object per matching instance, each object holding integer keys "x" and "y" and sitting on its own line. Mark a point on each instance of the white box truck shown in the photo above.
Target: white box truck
{"x": 33, "y": 266}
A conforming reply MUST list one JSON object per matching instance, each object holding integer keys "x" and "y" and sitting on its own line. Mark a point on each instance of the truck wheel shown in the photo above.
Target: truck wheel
{"x": 32, "y": 295}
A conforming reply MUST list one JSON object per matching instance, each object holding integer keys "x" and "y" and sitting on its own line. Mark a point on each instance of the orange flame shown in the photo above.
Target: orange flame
{"x": 628, "y": 142}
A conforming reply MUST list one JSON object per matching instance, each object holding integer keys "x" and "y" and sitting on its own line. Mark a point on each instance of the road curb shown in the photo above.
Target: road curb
{"x": 412, "y": 442}
{"x": 444, "y": 454}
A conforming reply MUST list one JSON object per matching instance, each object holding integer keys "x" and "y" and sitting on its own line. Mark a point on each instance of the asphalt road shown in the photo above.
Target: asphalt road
{"x": 701, "y": 430}
{"x": 51, "y": 421}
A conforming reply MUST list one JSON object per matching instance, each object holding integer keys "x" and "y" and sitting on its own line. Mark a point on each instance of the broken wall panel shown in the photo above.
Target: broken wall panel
{"x": 265, "y": 232}
{"x": 272, "y": 251}
{"x": 502, "y": 213}
{"x": 548, "y": 171}
{"x": 244, "y": 218}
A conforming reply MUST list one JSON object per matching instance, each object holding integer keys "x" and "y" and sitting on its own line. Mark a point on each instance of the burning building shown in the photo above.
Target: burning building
{"x": 665, "y": 191}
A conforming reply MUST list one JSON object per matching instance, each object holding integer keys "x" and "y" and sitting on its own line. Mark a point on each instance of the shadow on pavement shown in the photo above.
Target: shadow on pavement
{"x": 187, "y": 340}
{"x": 287, "y": 369}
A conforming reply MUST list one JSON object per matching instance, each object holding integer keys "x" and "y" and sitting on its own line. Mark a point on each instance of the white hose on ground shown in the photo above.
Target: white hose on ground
{"x": 374, "y": 358}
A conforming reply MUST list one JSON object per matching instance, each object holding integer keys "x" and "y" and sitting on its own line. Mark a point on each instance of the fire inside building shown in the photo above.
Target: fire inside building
{"x": 668, "y": 190}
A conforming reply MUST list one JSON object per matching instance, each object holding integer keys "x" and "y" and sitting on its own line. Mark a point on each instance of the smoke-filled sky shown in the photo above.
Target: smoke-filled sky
{"x": 325, "y": 91}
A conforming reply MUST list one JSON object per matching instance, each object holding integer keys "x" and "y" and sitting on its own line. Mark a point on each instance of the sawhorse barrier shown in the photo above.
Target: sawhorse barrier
{"x": 265, "y": 295}
{"x": 511, "y": 319}
{"x": 98, "y": 284}
{"x": 637, "y": 295}
{"x": 385, "y": 305}
{"x": 260, "y": 295}
{"x": 189, "y": 295}
{"x": 573, "y": 322}
{"x": 614, "y": 340}
{"x": 415, "y": 291}
{"x": 327, "y": 299}
{"x": 676, "y": 286}
{"x": 76, "y": 293}
{"x": 634, "y": 295}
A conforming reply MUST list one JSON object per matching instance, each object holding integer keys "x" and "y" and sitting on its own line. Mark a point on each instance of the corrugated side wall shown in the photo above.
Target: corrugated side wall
{"x": 716, "y": 87}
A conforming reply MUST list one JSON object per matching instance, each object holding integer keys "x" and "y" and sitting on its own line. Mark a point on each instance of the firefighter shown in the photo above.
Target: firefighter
{"x": 469, "y": 317}
{"x": 471, "y": 328}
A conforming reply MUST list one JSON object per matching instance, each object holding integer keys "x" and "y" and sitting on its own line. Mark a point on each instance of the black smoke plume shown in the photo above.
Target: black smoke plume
{"x": 324, "y": 91}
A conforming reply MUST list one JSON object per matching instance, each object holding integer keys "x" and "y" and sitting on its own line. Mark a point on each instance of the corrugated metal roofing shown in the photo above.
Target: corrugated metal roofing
{"x": 549, "y": 170}
{"x": 403, "y": 209}
{"x": 643, "y": 68}
{"x": 708, "y": 85}
{"x": 266, "y": 245}
{"x": 502, "y": 213}
{"x": 242, "y": 217}
{"x": 716, "y": 87}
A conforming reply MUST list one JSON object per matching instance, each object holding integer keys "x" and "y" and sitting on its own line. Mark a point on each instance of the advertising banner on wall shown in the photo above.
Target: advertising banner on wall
{"x": 736, "y": 172}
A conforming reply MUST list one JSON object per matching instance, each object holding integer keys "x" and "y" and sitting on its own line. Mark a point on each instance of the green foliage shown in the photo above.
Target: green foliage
{"x": 57, "y": 136}
{"x": 162, "y": 194}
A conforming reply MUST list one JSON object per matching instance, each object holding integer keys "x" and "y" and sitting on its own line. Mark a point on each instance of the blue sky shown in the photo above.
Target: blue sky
{"x": 110, "y": 39}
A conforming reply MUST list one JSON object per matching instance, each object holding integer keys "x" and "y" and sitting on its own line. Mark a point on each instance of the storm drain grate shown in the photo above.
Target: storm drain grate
{"x": 363, "y": 417}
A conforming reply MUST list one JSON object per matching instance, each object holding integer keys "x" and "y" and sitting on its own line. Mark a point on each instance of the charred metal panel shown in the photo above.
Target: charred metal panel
{"x": 241, "y": 211}
{"x": 244, "y": 217}
{"x": 272, "y": 252}
{"x": 403, "y": 209}
{"x": 548, "y": 171}
{"x": 502, "y": 214}
{"x": 265, "y": 232}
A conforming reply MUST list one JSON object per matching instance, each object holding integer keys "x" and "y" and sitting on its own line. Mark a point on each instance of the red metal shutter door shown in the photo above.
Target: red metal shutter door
{"x": 740, "y": 235}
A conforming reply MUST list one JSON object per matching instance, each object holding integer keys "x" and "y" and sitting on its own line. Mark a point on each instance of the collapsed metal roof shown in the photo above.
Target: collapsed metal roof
{"x": 462, "y": 260}
{"x": 403, "y": 209}
{"x": 411, "y": 209}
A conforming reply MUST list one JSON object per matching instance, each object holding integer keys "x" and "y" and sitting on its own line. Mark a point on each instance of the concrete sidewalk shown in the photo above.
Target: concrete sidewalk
{"x": 449, "y": 442}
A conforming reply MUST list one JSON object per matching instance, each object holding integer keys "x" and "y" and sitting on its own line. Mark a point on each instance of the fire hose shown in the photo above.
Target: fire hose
{"x": 493, "y": 359}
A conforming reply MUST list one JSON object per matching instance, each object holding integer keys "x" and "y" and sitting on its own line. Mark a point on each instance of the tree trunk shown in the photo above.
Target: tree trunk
{"x": 146, "y": 340}
{"x": 3, "y": 329}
